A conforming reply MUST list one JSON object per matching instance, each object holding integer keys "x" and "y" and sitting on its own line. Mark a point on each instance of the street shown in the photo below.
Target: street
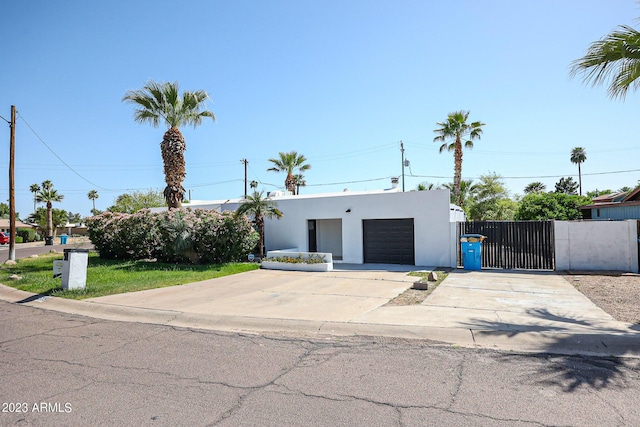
{"x": 63, "y": 369}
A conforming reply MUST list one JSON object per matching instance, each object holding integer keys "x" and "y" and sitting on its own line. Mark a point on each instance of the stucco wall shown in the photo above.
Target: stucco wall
{"x": 596, "y": 245}
{"x": 430, "y": 210}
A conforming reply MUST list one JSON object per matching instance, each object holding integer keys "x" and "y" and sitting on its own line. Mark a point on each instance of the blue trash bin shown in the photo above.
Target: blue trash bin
{"x": 471, "y": 246}
{"x": 63, "y": 239}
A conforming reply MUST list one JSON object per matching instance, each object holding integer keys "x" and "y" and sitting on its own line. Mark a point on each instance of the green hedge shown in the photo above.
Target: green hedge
{"x": 180, "y": 236}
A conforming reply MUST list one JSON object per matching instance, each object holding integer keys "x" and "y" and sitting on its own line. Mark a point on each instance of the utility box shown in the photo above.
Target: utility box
{"x": 471, "y": 247}
{"x": 74, "y": 269}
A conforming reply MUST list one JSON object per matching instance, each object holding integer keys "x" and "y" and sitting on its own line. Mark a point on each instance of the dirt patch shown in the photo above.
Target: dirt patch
{"x": 413, "y": 296}
{"x": 617, "y": 294}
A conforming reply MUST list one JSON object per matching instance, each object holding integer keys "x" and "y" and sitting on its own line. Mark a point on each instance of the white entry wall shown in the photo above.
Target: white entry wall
{"x": 429, "y": 209}
{"x": 596, "y": 245}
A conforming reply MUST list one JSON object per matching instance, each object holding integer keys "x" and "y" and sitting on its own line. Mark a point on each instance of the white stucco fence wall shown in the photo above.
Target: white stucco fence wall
{"x": 596, "y": 245}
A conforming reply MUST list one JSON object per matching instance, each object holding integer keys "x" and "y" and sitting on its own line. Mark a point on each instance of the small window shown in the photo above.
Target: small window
{"x": 598, "y": 213}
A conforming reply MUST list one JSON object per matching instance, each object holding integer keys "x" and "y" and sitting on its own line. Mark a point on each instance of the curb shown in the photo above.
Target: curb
{"x": 596, "y": 344}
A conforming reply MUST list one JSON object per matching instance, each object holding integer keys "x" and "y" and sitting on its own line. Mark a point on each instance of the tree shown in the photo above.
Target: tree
{"x": 34, "y": 188}
{"x": 41, "y": 218}
{"x": 596, "y": 193}
{"x": 545, "y": 206}
{"x": 161, "y": 102}
{"x": 426, "y": 186}
{"x": 451, "y": 133}
{"x": 47, "y": 194}
{"x": 567, "y": 186}
{"x": 137, "y": 200}
{"x": 260, "y": 208}
{"x": 4, "y": 211}
{"x": 74, "y": 218}
{"x": 465, "y": 197}
{"x": 491, "y": 200}
{"x": 93, "y": 195}
{"x": 614, "y": 58}
{"x": 578, "y": 156}
{"x": 289, "y": 163}
{"x": 299, "y": 182}
{"x": 535, "y": 187}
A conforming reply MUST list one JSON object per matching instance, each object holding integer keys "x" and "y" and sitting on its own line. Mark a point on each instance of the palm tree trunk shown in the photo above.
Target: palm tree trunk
{"x": 290, "y": 183}
{"x": 49, "y": 219}
{"x": 457, "y": 177}
{"x": 260, "y": 225}
{"x": 173, "y": 147}
{"x": 580, "y": 178}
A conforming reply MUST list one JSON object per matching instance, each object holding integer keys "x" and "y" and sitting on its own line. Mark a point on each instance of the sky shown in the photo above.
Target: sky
{"x": 341, "y": 82}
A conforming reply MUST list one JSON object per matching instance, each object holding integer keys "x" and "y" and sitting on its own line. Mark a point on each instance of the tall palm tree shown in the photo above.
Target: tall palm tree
{"x": 34, "y": 188}
{"x": 578, "y": 156}
{"x": 451, "y": 133}
{"x": 535, "y": 187}
{"x": 161, "y": 102}
{"x": 47, "y": 194}
{"x": 93, "y": 195}
{"x": 289, "y": 163}
{"x": 614, "y": 58}
{"x": 260, "y": 208}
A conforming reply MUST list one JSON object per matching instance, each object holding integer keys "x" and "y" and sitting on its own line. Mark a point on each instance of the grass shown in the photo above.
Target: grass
{"x": 108, "y": 277}
{"x": 413, "y": 296}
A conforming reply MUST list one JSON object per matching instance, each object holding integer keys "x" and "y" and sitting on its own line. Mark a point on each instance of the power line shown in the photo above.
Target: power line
{"x": 535, "y": 177}
{"x": 58, "y": 157}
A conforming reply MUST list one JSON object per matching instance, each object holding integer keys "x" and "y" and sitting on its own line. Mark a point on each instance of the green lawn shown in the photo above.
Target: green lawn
{"x": 107, "y": 277}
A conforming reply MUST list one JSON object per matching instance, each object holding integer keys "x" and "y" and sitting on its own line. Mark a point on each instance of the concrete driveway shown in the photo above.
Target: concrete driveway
{"x": 341, "y": 295}
{"x": 511, "y": 310}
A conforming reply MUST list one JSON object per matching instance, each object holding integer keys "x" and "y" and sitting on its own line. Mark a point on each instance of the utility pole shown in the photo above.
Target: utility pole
{"x": 12, "y": 186}
{"x": 402, "y": 151}
{"x": 246, "y": 162}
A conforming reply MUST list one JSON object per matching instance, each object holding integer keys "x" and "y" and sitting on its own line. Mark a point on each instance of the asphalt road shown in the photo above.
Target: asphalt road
{"x": 27, "y": 249}
{"x": 62, "y": 369}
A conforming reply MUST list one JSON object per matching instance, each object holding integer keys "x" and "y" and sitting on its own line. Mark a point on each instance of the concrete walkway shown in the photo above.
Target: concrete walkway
{"x": 507, "y": 310}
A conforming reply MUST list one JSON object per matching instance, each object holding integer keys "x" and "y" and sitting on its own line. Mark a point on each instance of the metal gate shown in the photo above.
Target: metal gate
{"x": 526, "y": 245}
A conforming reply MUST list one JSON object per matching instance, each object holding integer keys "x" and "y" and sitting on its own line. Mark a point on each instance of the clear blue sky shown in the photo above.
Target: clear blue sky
{"x": 342, "y": 82}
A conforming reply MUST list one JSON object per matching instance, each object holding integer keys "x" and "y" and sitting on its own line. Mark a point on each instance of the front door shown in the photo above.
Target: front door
{"x": 313, "y": 237}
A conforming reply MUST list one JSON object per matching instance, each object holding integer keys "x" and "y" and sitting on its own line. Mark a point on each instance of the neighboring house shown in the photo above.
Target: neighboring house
{"x": 616, "y": 206}
{"x": 4, "y": 225}
{"x": 385, "y": 226}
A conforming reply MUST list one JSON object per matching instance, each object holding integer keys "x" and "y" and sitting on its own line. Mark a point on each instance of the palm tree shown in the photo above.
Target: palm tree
{"x": 289, "y": 163}
{"x": 93, "y": 195}
{"x": 451, "y": 133}
{"x": 614, "y": 58}
{"x": 47, "y": 194}
{"x": 157, "y": 102}
{"x": 299, "y": 181}
{"x": 34, "y": 188}
{"x": 260, "y": 208}
{"x": 535, "y": 187}
{"x": 425, "y": 186}
{"x": 466, "y": 192}
{"x": 578, "y": 156}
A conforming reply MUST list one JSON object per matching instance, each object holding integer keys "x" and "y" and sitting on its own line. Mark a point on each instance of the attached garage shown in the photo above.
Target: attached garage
{"x": 388, "y": 241}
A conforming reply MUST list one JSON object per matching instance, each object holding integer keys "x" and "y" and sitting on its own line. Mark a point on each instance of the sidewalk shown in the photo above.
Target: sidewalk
{"x": 506, "y": 310}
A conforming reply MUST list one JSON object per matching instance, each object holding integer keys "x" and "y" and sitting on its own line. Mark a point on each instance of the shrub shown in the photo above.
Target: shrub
{"x": 27, "y": 234}
{"x": 19, "y": 239}
{"x": 194, "y": 236}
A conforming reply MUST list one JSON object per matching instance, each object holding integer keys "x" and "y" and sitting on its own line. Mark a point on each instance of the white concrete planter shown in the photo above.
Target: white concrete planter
{"x": 327, "y": 265}
{"x": 298, "y": 266}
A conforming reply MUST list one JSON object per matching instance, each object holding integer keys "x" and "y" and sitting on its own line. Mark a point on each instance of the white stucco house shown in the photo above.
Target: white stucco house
{"x": 384, "y": 226}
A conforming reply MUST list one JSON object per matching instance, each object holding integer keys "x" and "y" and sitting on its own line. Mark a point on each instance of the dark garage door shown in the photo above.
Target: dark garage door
{"x": 388, "y": 241}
